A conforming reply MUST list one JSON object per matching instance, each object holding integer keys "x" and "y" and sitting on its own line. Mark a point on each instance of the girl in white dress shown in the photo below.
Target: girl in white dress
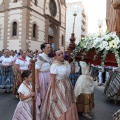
{"x": 24, "y": 108}
{"x": 42, "y": 70}
{"x": 59, "y": 101}
{"x": 84, "y": 91}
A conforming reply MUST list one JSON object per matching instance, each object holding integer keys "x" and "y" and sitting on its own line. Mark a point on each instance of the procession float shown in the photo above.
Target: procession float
{"x": 97, "y": 50}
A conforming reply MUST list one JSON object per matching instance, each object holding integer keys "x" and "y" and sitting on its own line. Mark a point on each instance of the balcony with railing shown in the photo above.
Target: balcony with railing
{"x": 83, "y": 14}
{"x": 83, "y": 27}
{"x": 84, "y": 21}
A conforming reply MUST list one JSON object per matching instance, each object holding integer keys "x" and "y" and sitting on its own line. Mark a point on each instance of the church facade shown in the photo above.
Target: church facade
{"x": 25, "y": 24}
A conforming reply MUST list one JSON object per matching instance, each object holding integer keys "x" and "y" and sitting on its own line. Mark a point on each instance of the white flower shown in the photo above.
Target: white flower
{"x": 105, "y": 43}
{"x": 117, "y": 40}
{"x": 101, "y": 47}
{"x": 107, "y": 47}
{"x": 106, "y": 37}
{"x": 113, "y": 44}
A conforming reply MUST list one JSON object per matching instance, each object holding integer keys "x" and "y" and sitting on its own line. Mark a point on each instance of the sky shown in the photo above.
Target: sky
{"x": 1, "y": 1}
{"x": 95, "y": 10}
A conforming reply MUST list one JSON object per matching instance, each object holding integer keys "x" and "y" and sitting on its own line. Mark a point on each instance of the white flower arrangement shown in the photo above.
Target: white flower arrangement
{"x": 106, "y": 43}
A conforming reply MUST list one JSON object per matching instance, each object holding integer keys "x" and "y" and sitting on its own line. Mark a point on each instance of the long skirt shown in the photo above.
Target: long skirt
{"x": 85, "y": 102}
{"x": 44, "y": 79}
{"x": 6, "y": 78}
{"x": 64, "y": 108}
{"x": 23, "y": 111}
{"x": 116, "y": 115}
{"x": 17, "y": 82}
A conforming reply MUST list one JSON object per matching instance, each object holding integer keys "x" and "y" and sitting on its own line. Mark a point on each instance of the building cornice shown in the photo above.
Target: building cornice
{"x": 46, "y": 15}
{"x": 52, "y": 19}
{"x": 23, "y": 7}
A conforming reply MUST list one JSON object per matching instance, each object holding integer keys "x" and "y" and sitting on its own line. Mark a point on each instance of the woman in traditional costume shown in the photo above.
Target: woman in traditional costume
{"x": 116, "y": 115}
{"x": 84, "y": 91}
{"x": 21, "y": 64}
{"x": 59, "y": 101}
{"x": 24, "y": 108}
{"x": 42, "y": 71}
{"x": 6, "y": 72}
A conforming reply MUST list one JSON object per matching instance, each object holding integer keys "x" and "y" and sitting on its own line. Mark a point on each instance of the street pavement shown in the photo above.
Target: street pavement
{"x": 8, "y": 103}
{"x": 104, "y": 107}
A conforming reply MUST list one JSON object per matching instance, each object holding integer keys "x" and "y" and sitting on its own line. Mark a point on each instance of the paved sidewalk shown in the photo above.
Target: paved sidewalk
{"x": 99, "y": 87}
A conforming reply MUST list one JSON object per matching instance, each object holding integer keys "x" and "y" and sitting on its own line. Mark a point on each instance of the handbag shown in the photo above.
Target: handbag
{"x": 116, "y": 4}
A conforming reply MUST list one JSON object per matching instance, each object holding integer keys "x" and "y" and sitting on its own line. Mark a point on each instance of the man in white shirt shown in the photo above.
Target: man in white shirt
{"x": 100, "y": 77}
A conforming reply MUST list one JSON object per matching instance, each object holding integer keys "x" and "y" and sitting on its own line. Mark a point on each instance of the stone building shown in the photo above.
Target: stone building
{"x": 108, "y": 5}
{"x": 25, "y": 24}
{"x": 81, "y": 21}
{"x": 113, "y": 16}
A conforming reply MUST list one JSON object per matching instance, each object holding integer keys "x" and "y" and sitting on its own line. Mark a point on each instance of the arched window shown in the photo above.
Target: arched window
{"x": 34, "y": 30}
{"x": 62, "y": 40}
{"x": 15, "y": 1}
{"x": 35, "y": 2}
{"x": 53, "y": 7}
{"x": 14, "y": 29}
{"x": 63, "y": 2}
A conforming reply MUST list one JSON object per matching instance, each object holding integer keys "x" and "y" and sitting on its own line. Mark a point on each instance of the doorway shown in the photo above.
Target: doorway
{"x": 50, "y": 39}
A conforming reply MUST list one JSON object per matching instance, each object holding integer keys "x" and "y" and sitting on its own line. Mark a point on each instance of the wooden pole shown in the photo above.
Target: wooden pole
{"x": 33, "y": 88}
{"x": 71, "y": 46}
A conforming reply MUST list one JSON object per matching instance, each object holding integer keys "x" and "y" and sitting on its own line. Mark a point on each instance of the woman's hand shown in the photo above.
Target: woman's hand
{"x": 32, "y": 94}
{"x": 37, "y": 88}
{"x": 55, "y": 98}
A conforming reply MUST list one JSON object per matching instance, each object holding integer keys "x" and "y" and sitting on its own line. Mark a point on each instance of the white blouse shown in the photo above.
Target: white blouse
{"x": 22, "y": 64}
{"x": 43, "y": 62}
{"x": 62, "y": 71}
{"x": 25, "y": 91}
{"x": 6, "y": 60}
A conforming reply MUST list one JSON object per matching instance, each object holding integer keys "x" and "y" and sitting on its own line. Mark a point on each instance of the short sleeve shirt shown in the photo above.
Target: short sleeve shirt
{"x": 43, "y": 65}
{"x": 24, "y": 90}
{"x": 6, "y": 60}
{"x": 62, "y": 71}
{"x": 23, "y": 64}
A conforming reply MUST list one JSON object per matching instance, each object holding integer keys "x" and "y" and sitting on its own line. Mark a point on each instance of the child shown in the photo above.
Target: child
{"x": 24, "y": 108}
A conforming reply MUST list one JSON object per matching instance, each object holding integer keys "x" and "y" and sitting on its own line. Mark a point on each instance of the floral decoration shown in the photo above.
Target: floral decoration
{"x": 105, "y": 44}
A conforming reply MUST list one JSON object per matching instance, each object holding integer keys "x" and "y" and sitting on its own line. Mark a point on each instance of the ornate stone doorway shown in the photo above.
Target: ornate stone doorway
{"x": 50, "y": 39}
{"x": 50, "y": 35}
{"x": 52, "y": 32}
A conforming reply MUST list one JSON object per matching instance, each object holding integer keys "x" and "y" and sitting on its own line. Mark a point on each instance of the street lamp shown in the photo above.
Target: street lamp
{"x": 75, "y": 12}
{"x": 100, "y": 24}
{"x": 71, "y": 46}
